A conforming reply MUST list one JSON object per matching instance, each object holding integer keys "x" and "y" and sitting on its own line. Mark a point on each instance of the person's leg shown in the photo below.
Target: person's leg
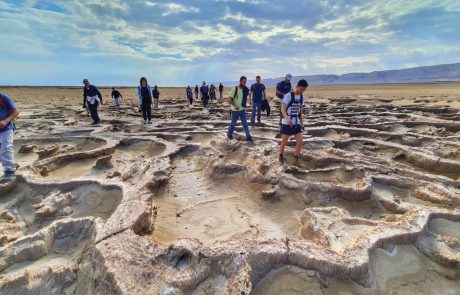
{"x": 244, "y": 122}
{"x": 284, "y": 140}
{"x": 96, "y": 113}
{"x": 298, "y": 145}
{"x": 144, "y": 111}
{"x": 253, "y": 113}
{"x": 231, "y": 128}
{"x": 156, "y": 103}
{"x": 6, "y": 152}
{"x": 93, "y": 111}
{"x": 259, "y": 111}
{"x": 149, "y": 112}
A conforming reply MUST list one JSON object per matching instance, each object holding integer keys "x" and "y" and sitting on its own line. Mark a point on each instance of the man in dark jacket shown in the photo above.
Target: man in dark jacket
{"x": 204, "y": 94}
{"x": 221, "y": 90}
{"x": 116, "y": 95}
{"x": 92, "y": 99}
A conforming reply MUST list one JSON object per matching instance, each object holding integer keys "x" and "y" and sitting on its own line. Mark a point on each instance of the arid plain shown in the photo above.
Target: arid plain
{"x": 372, "y": 207}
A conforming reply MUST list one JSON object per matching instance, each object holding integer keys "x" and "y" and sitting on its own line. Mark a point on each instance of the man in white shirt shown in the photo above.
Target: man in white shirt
{"x": 291, "y": 122}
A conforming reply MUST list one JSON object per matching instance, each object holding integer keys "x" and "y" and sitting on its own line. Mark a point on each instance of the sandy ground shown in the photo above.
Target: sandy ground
{"x": 371, "y": 207}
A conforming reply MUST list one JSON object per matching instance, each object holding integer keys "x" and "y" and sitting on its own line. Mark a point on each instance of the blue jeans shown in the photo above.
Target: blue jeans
{"x": 6, "y": 151}
{"x": 242, "y": 116}
{"x": 117, "y": 101}
{"x": 256, "y": 107}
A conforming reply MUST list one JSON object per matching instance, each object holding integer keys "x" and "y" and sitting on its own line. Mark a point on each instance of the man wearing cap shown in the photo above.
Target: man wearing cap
{"x": 284, "y": 87}
{"x": 92, "y": 98}
{"x": 8, "y": 112}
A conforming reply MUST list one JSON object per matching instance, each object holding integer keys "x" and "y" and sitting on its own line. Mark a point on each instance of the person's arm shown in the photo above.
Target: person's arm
{"x": 278, "y": 92}
{"x": 14, "y": 113}
{"x": 84, "y": 99}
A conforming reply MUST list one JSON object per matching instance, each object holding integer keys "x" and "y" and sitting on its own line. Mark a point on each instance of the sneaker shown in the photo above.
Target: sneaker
{"x": 281, "y": 158}
{"x": 229, "y": 137}
{"x": 145, "y": 121}
{"x": 296, "y": 159}
{"x": 8, "y": 177}
{"x": 249, "y": 139}
{"x": 149, "y": 122}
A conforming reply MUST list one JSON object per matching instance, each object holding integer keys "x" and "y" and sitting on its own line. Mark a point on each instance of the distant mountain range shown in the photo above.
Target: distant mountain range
{"x": 436, "y": 73}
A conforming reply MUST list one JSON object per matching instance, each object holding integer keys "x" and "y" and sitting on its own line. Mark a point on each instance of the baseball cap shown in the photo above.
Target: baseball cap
{"x": 85, "y": 81}
{"x": 289, "y": 77}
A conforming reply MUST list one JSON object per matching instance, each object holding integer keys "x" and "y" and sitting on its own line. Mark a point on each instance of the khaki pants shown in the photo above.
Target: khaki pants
{"x": 155, "y": 103}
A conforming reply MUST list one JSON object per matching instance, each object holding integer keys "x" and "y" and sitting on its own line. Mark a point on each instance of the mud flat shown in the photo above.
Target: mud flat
{"x": 371, "y": 207}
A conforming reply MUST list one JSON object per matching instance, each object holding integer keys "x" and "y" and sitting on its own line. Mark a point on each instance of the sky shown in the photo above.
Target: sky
{"x": 175, "y": 43}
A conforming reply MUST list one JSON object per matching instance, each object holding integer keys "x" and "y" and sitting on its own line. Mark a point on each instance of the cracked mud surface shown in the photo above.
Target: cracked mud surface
{"x": 371, "y": 207}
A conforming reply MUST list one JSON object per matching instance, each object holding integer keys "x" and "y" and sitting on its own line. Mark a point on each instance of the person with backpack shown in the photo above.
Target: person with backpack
{"x": 256, "y": 95}
{"x": 116, "y": 95}
{"x": 189, "y": 92}
{"x": 238, "y": 99}
{"x": 156, "y": 96}
{"x": 291, "y": 122}
{"x": 204, "y": 94}
{"x": 93, "y": 99}
{"x": 221, "y": 91}
{"x": 144, "y": 93}
{"x": 8, "y": 112}
{"x": 212, "y": 92}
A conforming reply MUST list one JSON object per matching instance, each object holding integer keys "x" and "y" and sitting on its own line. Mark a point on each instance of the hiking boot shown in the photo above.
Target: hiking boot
{"x": 250, "y": 140}
{"x": 296, "y": 159}
{"x": 229, "y": 137}
{"x": 281, "y": 158}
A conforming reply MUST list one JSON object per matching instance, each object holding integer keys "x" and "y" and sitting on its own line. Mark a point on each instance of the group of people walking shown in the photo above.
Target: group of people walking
{"x": 291, "y": 122}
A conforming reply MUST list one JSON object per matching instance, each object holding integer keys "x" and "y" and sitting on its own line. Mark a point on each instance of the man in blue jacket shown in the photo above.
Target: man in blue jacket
{"x": 8, "y": 112}
{"x": 204, "y": 89}
{"x": 92, "y": 98}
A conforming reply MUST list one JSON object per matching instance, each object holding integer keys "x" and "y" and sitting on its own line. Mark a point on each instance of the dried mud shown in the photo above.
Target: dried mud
{"x": 371, "y": 206}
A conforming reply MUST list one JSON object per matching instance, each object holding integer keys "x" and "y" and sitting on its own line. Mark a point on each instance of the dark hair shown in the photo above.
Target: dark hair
{"x": 142, "y": 79}
{"x": 113, "y": 88}
{"x": 243, "y": 78}
{"x": 257, "y": 77}
{"x": 302, "y": 83}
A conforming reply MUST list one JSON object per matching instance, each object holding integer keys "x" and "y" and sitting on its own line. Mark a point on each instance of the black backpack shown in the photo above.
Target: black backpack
{"x": 290, "y": 104}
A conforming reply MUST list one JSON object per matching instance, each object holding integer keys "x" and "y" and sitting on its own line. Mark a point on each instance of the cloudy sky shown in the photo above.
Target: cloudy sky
{"x": 177, "y": 42}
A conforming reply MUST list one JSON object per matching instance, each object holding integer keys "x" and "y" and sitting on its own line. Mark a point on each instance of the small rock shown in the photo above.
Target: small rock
{"x": 26, "y": 148}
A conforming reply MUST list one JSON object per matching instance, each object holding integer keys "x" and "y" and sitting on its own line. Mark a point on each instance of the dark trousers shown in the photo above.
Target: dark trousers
{"x": 190, "y": 99}
{"x": 93, "y": 112}
{"x": 147, "y": 111}
{"x": 205, "y": 99}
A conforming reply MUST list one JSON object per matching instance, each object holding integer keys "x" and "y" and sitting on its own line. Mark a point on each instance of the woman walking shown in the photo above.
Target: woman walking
{"x": 145, "y": 100}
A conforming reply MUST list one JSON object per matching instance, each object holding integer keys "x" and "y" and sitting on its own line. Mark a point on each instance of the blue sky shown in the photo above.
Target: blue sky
{"x": 175, "y": 43}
